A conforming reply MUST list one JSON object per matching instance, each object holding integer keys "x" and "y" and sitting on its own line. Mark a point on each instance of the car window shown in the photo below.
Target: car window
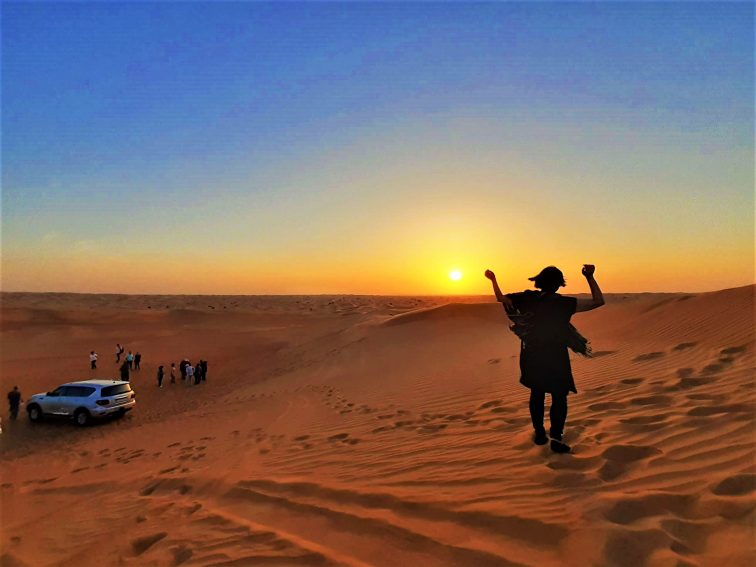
{"x": 67, "y": 391}
{"x": 115, "y": 390}
{"x": 79, "y": 391}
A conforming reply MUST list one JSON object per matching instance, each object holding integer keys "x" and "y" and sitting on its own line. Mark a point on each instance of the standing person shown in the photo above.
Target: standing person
{"x": 182, "y": 367}
{"x": 160, "y": 376}
{"x": 130, "y": 360}
{"x": 93, "y": 360}
{"x": 198, "y": 373}
{"x": 189, "y": 373}
{"x": 119, "y": 352}
{"x": 173, "y": 372}
{"x": 14, "y": 402}
{"x": 204, "y": 370}
{"x": 125, "y": 371}
{"x": 137, "y": 360}
{"x": 542, "y": 321}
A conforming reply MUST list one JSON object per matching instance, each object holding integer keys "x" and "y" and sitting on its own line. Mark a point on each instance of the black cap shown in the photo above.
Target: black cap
{"x": 550, "y": 275}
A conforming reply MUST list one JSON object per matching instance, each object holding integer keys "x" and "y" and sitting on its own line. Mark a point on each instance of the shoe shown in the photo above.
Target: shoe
{"x": 540, "y": 438}
{"x": 559, "y": 447}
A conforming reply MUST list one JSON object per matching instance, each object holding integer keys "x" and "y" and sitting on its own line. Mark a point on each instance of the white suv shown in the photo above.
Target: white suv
{"x": 83, "y": 400}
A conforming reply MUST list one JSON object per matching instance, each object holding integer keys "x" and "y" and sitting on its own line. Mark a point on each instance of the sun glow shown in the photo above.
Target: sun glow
{"x": 455, "y": 275}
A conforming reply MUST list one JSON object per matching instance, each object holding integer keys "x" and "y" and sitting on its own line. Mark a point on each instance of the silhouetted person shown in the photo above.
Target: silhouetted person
{"x": 160, "y": 376}
{"x": 119, "y": 352}
{"x": 198, "y": 373}
{"x": 14, "y": 402}
{"x": 93, "y": 360}
{"x": 130, "y": 360}
{"x": 173, "y": 372}
{"x": 137, "y": 360}
{"x": 182, "y": 367}
{"x": 204, "y": 370}
{"x": 125, "y": 371}
{"x": 542, "y": 321}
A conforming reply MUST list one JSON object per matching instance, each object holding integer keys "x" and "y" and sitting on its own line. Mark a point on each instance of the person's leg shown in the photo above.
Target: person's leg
{"x": 537, "y": 398}
{"x": 558, "y": 417}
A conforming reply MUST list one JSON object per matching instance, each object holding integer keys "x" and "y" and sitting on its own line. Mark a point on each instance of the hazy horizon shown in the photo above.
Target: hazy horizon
{"x": 328, "y": 149}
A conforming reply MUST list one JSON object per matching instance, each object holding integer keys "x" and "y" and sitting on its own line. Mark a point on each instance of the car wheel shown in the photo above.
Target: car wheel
{"x": 81, "y": 417}
{"x": 35, "y": 413}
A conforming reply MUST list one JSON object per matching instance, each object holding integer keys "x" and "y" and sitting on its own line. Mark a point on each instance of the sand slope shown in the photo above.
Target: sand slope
{"x": 382, "y": 431}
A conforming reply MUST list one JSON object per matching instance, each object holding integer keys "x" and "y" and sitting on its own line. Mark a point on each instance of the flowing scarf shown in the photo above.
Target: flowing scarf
{"x": 523, "y": 328}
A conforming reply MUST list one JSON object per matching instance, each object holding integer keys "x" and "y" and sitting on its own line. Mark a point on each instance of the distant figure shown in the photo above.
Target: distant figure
{"x": 198, "y": 373}
{"x": 119, "y": 352}
{"x": 137, "y": 360}
{"x": 542, "y": 321}
{"x": 182, "y": 367}
{"x": 14, "y": 402}
{"x": 189, "y": 373}
{"x": 204, "y": 370}
{"x": 125, "y": 371}
{"x": 160, "y": 376}
{"x": 93, "y": 360}
{"x": 130, "y": 360}
{"x": 173, "y": 372}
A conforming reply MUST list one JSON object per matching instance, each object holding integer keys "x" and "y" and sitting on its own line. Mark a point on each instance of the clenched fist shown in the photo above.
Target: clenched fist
{"x": 588, "y": 270}
{"x": 490, "y": 275}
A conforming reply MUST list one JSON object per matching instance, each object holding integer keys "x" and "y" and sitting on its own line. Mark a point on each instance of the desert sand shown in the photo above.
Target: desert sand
{"x": 387, "y": 431}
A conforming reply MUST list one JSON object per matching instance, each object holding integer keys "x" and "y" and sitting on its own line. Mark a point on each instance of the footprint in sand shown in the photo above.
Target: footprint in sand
{"x": 648, "y": 356}
{"x": 182, "y": 553}
{"x": 302, "y": 438}
{"x": 491, "y": 404}
{"x": 715, "y": 368}
{"x": 632, "y": 381}
{"x": 683, "y": 346}
{"x": 431, "y": 428}
{"x": 599, "y": 353}
{"x": 620, "y": 457}
{"x": 736, "y": 485}
{"x": 494, "y": 360}
{"x": 142, "y": 544}
{"x": 734, "y": 350}
{"x": 338, "y": 437}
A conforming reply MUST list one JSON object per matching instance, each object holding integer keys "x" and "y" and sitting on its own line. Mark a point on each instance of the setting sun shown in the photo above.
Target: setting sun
{"x": 456, "y": 275}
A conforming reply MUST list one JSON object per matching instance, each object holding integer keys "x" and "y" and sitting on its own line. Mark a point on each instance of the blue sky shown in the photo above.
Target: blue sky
{"x": 244, "y": 131}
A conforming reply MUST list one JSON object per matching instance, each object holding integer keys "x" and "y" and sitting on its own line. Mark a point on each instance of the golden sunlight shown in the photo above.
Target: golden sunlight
{"x": 455, "y": 275}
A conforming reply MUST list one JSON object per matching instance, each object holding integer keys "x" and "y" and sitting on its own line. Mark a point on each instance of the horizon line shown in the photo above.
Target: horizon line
{"x": 606, "y": 293}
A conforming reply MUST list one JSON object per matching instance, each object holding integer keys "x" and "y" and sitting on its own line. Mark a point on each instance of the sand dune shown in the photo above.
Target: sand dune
{"x": 355, "y": 430}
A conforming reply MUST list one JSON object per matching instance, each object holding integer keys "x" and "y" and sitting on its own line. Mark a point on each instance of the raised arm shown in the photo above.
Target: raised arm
{"x": 500, "y": 297}
{"x": 597, "y": 298}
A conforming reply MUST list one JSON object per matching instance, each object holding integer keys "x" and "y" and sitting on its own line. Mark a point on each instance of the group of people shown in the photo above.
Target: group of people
{"x": 189, "y": 374}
